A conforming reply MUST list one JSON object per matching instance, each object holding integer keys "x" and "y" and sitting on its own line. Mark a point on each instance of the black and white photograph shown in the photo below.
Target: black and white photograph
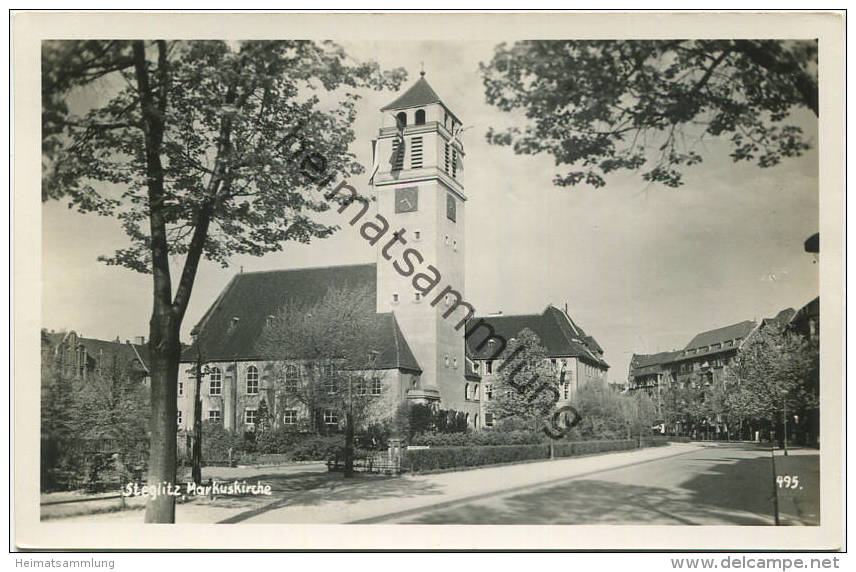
{"x": 432, "y": 269}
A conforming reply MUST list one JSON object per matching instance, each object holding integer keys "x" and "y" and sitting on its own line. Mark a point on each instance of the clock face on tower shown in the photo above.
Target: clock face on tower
{"x": 406, "y": 199}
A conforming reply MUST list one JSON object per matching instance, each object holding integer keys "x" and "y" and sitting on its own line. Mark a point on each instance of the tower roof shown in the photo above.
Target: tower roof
{"x": 420, "y": 93}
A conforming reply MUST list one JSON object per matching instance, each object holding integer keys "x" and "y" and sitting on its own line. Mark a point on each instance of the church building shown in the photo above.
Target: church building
{"x": 418, "y": 281}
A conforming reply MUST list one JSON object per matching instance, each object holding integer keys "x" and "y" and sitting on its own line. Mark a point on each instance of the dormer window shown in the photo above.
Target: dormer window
{"x": 401, "y": 120}
{"x": 420, "y": 117}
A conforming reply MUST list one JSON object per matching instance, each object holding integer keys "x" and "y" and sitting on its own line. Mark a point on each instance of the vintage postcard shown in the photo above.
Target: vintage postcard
{"x": 381, "y": 281}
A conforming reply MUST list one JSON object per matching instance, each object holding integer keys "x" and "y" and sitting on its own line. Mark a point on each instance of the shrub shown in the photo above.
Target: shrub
{"x": 216, "y": 442}
{"x": 315, "y": 448}
{"x": 277, "y": 441}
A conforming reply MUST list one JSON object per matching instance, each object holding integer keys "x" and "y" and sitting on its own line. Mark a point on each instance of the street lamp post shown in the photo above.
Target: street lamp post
{"x": 785, "y": 422}
{"x": 196, "y": 452}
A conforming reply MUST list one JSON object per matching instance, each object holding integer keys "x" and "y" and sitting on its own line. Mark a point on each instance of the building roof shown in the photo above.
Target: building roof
{"x": 642, "y": 364}
{"x": 781, "y": 319}
{"x": 812, "y": 243}
{"x": 132, "y": 353}
{"x": 420, "y": 93}
{"x": 558, "y": 333}
{"x": 231, "y": 328}
{"x": 719, "y": 335}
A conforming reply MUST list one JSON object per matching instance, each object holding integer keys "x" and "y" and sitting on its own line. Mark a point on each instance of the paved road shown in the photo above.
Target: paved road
{"x": 717, "y": 484}
{"x": 699, "y": 483}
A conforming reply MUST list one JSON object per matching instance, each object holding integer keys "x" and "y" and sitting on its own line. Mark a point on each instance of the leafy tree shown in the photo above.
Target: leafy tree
{"x": 602, "y": 106}
{"x": 526, "y": 387}
{"x": 335, "y": 343}
{"x": 109, "y": 406}
{"x": 774, "y": 370}
{"x": 199, "y": 149}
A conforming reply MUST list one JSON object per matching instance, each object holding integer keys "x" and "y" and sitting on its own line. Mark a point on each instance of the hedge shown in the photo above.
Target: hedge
{"x": 438, "y": 458}
{"x": 475, "y": 438}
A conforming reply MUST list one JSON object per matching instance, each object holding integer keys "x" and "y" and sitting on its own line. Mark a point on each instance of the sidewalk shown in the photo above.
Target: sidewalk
{"x": 330, "y": 499}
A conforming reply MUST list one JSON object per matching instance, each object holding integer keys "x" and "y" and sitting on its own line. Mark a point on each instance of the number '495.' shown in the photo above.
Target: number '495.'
{"x": 788, "y": 482}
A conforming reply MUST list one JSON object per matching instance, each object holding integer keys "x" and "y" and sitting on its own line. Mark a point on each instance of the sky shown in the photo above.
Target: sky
{"x": 641, "y": 267}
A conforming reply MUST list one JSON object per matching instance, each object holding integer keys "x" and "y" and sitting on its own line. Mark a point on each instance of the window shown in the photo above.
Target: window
{"x": 446, "y": 360}
{"x": 466, "y": 391}
{"x": 330, "y": 386}
{"x": 395, "y": 298}
{"x": 448, "y": 299}
{"x": 360, "y": 388}
{"x": 415, "y": 152}
{"x": 215, "y": 381}
{"x": 488, "y": 366}
{"x": 252, "y": 380}
{"x": 455, "y": 245}
{"x": 292, "y": 373}
{"x": 488, "y": 391}
{"x": 716, "y": 346}
{"x": 420, "y": 117}
{"x": 488, "y": 419}
{"x": 417, "y": 296}
{"x": 376, "y": 386}
{"x": 289, "y": 416}
{"x": 178, "y": 417}
{"x": 451, "y": 208}
{"x": 331, "y": 417}
{"x": 401, "y": 120}
{"x": 729, "y": 343}
{"x": 251, "y": 416}
{"x": 566, "y": 390}
{"x": 455, "y": 363}
{"x": 417, "y": 235}
{"x": 447, "y": 240}
{"x": 214, "y": 416}
{"x": 180, "y": 388}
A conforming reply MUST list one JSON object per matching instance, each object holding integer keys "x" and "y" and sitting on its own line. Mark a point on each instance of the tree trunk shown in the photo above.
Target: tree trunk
{"x": 349, "y": 446}
{"x": 165, "y": 350}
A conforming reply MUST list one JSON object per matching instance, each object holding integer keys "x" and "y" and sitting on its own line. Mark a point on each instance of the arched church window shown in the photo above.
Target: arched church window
{"x": 401, "y": 119}
{"x": 420, "y": 117}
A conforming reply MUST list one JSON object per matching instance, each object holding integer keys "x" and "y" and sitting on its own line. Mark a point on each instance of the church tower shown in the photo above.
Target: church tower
{"x": 418, "y": 181}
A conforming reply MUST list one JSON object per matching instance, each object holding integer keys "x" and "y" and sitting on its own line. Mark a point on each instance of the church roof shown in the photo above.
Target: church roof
{"x": 420, "y": 93}
{"x": 253, "y": 296}
{"x": 559, "y": 335}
